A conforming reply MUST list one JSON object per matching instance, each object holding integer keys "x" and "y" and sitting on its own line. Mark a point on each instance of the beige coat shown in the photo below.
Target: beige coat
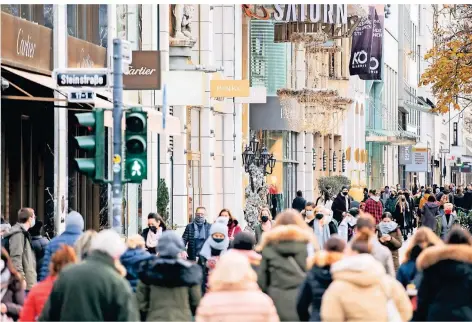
{"x": 247, "y": 303}
{"x": 360, "y": 290}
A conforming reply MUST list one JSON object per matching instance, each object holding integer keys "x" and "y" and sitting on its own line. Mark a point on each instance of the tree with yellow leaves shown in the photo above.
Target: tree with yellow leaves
{"x": 450, "y": 69}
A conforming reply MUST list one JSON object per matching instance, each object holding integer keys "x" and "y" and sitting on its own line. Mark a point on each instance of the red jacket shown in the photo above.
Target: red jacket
{"x": 233, "y": 229}
{"x": 36, "y": 299}
{"x": 375, "y": 208}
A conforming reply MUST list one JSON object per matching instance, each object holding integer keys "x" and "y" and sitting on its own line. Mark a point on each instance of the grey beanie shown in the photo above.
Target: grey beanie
{"x": 220, "y": 226}
{"x": 74, "y": 219}
{"x": 170, "y": 245}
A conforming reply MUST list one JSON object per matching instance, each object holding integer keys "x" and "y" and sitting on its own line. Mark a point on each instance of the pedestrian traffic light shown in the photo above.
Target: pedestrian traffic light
{"x": 94, "y": 144}
{"x": 136, "y": 146}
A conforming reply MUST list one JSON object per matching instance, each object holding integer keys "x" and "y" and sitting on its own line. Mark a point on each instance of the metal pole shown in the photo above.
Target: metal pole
{"x": 117, "y": 186}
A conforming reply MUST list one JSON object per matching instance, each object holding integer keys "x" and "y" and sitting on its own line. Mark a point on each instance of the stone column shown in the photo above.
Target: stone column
{"x": 301, "y": 161}
{"x": 309, "y": 188}
{"x": 61, "y": 171}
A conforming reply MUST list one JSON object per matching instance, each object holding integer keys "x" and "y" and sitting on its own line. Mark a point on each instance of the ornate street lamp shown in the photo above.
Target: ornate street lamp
{"x": 260, "y": 158}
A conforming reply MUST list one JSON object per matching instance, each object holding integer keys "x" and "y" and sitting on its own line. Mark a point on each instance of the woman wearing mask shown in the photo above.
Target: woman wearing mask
{"x": 39, "y": 294}
{"x": 318, "y": 279}
{"x": 348, "y": 225}
{"x": 169, "y": 288}
{"x": 401, "y": 213}
{"x": 233, "y": 225}
{"x": 321, "y": 225}
{"x": 234, "y": 294}
{"x": 283, "y": 266}
{"x": 133, "y": 257}
{"x": 12, "y": 291}
{"x": 325, "y": 199}
{"x": 410, "y": 218}
{"x": 215, "y": 246}
{"x": 151, "y": 235}
{"x": 448, "y": 220}
{"x": 361, "y": 289}
{"x": 445, "y": 290}
{"x": 265, "y": 224}
{"x": 390, "y": 236}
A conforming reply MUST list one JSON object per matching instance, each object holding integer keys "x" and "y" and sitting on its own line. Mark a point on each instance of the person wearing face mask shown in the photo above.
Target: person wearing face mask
{"x": 154, "y": 231}
{"x": 20, "y": 248}
{"x": 321, "y": 225}
{"x": 309, "y": 214}
{"x": 402, "y": 210}
{"x": 341, "y": 204}
{"x": 390, "y": 236}
{"x": 215, "y": 246}
{"x": 347, "y": 226}
{"x": 448, "y": 220}
{"x": 265, "y": 224}
{"x": 195, "y": 234}
{"x": 373, "y": 206}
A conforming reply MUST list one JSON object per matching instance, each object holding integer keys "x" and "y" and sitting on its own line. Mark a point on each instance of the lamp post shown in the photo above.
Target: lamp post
{"x": 261, "y": 158}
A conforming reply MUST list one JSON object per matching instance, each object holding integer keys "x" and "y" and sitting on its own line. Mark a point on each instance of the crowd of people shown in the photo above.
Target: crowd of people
{"x": 335, "y": 259}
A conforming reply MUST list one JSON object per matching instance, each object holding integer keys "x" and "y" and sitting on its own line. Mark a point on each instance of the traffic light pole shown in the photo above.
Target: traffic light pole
{"x": 117, "y": 194}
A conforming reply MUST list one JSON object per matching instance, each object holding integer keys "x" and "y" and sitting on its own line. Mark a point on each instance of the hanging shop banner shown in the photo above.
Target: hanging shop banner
{"x": 361, "y": 45}
{"x": 375, "y": 66}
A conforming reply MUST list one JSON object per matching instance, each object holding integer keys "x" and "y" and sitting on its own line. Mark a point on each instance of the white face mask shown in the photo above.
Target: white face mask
{"x": 309, "y": 213}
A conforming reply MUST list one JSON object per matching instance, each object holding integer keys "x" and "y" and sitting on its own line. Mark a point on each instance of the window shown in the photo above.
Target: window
{"x": 39, "y": 13}
{"x": 454, "y": 134}
{"x": 88, "y": 22}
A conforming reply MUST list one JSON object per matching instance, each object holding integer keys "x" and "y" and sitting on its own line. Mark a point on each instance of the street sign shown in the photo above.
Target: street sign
{"x": 126, "y": 52}
{"x": 81, "y": 77}
{"x": 81, "y": 96}
{"x": 444, "y": 150}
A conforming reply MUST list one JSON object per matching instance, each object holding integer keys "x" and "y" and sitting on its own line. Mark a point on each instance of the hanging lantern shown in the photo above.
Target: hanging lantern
{"x": 324, "y": 161}
{"x": 335, "y": 161}
{"x": 314, "y": 159}
{"x": 343, "y": 162}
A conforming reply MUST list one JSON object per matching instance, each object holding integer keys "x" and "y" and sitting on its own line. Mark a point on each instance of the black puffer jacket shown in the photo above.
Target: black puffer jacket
{"x": 189, "y": 240}
{"x": 316, "y": 283}
{"x": 445, "y": 291}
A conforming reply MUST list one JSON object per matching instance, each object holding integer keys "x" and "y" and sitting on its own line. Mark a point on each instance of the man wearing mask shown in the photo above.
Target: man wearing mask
{"x": 195, "y": 234}
{"x": 391, "y": 203}
{"x": 373, "y": 206}
{"x": 341, "y": 204}
{"x": 19, "y": 244}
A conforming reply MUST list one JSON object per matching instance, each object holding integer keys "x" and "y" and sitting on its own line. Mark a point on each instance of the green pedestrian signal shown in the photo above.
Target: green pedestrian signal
{"x": 136, "y": 146}
{"x": 94, "y": 145}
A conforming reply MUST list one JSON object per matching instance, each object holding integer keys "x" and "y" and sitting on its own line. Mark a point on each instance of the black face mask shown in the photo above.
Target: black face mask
{"x": 265, "y": 218}
{"x": 153, "y": 229}
{"x": 344, "y": 193}
{"x": 218, "y": 240}
{"x": 319, "y": 216}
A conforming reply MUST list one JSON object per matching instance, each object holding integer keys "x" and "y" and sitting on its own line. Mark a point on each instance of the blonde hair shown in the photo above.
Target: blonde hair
{"x": 423, "y": 237}
{"x": 82, "y": 245}
{"x": 259, "y": 218}
{"x": 232, "y": 272}
{"x": 448, "y": 205}
{"x": 135, "y": 241}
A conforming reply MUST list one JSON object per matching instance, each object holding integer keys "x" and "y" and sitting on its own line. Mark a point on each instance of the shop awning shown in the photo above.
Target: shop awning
{"x": 154, "y": 116}
{"x": 390, "y": 137}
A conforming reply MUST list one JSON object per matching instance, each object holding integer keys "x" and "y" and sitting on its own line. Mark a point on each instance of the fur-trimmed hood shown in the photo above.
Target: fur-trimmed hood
{"x": 169, "y": 272}
{"x": 285, "y": 233}
{"x": 436, "y": 254}
{"x": 362, "y": 270}
{"x": 324, "y": 258}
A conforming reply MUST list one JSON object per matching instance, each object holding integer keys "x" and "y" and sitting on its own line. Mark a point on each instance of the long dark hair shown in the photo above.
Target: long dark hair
{"x": 14, "y": 275}
{"x": 159, "y": 218}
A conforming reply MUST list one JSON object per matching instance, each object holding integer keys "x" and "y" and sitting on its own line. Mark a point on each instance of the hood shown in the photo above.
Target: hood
{"x": 132, "y": 256}
{"x": 17, "y": 228}
{"x": 168, "y": 272}
{"x": 280, "y": 235}
{"x": 324, "y": 258}
{"x": 431, "y": 205}
{"x": 436, "y": 254}
{"x": 362, "y": 270}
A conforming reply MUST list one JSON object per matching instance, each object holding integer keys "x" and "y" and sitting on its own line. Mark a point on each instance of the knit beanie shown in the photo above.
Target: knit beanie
{"x": 170, "y": 245}
{"x": 74, "y": 220}
{"x": 244, "y": 241}
{"x": 354, "y": 211}
{"x": 220, "y": 226}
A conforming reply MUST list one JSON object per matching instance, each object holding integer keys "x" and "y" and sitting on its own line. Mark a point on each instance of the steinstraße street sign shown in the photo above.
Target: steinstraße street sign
{"x": 81, "y": 77}
{"x": 81, "y": 96}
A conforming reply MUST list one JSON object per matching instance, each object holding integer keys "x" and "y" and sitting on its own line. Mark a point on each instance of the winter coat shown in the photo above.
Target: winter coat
{"x": 68, "y": 237}
{"x": 299, "y": 203}
{"x": 400, "y": 215}
{"x": 258, "y": 231}
{"x": 243, "y": 303}
{"x": 339, "y": 206}
{"x": 36, "y": 299}
{"x": 39, "y": 244}
{"x": 233, "y": 229}
{"x": 145, "y": 233}
{"x": 391, "y": 204}
{"x": 407, "y": 271}
{"x": 467, "y": 203}
{"x": 394, "y": 244}
{"x": 430, "y": 212}
{"x": 423, "y": 201}
{"x": 360, "y": 291}
{"x": 22, "y": 254}
{"x": 383, "y": 255}
{"x": 316, "y": 283}
{"x": 445, "y": 291}
{"x": 92, "y": 290}
{"x": 189, "y": 240}
{"x": 132, "y": 260}
{"x": 14, "y": 298}
{"x": 168, "y": 290}
{"x": 447, "y": 226}
{"x": 459, "y": 201}
{"x": 283, "y": 266}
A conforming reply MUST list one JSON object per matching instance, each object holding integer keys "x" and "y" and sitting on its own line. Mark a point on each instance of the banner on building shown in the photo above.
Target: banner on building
{"x": 414, "y": 159}
{"x": 361, "y": 45}
{"x": 375, "y": 66}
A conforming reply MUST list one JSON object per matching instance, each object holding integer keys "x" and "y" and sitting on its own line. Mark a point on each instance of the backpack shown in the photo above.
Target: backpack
{"x": 438, "y": 229}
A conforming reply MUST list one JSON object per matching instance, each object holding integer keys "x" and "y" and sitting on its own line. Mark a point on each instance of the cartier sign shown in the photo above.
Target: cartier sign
{"x": 144, "y": 72}
{"x": 83, "y": 54}
{"x": 26, "y": 45}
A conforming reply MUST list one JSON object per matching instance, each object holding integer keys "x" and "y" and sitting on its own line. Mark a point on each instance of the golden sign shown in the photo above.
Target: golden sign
{"x": 229, "y": 88}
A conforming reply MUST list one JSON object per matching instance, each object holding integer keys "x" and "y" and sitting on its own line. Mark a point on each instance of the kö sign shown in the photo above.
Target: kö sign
{"x": 314, "y": 13}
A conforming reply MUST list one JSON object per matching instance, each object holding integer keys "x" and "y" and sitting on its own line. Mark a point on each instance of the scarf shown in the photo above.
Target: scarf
{"x": 152, "y": 238}
{"x": 321, "y": 232}
{"x": 210, "y": 243}
{"x": 387, "y": 227}
{"x": 200, "y": 231}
